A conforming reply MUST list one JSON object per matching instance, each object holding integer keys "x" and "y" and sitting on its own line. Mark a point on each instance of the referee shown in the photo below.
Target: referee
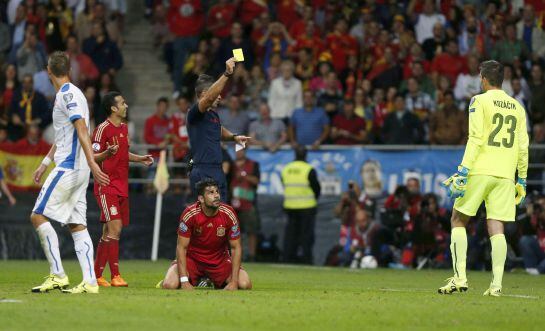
{"x": 206, "y": 132}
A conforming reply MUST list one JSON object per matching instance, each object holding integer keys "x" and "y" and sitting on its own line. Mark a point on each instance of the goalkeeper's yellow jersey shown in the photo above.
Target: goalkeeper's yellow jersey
{"x": 498, "y": 139}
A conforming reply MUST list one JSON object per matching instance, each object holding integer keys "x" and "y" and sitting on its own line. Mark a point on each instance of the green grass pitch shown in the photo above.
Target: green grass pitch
{"x": 283, "y": 298}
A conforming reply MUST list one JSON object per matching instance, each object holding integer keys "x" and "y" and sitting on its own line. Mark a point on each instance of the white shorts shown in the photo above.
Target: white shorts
{"x": 63, "y": 196}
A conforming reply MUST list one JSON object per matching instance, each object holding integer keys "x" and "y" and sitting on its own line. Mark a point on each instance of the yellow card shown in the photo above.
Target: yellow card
{"x": 239, "y": 56}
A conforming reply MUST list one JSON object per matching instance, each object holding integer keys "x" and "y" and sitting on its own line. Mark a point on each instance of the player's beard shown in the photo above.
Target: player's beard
{"x": 214, "y": 205}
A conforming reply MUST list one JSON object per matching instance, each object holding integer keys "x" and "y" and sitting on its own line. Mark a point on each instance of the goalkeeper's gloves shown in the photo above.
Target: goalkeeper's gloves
{"x": 520, "y": 188}
{"x": 456, "y": 184}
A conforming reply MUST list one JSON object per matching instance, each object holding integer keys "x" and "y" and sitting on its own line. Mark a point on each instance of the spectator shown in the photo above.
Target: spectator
{"x": 257, "y": 88}
{"x": 362, "y": 109}
{"x": 532, "y": 242}
{"x": 424, "y": 81}
{"x": 435, "y": 45}
{"x": 299, "y": 27}
{"x": 18, "y": 27}
{"x": 157, "y": 127}
{"x": 28, "y": 107}
{"x": 233, "y": 118}
{"x": 220, "y": 19}
{"x": 105, "y": 84}
{"x": 529, "y": 32}
{"x": 8, "y": 85}
{"x": 5, "y": 189}
{"x": 331, "y": 96}
{"x": 318, "y": 83}
{"x": 42, "y": 84}
{"x": 275, "y": 40}
{"x": 84, "y": 20}
{"x": 59, "y": 23}
{"x": 448, "y": 125}
{"x": 109, "y": 21}
{"x": 348, "y": 128}
{"x": 161, "y": 33}
{"x": 199, "y": 66}
{"x": 449, "y": 63}
{"x": 285, "y": 94}
{"x": 341, "y": 45}
{"x": 267, "y": 132}
{"x": 418, "y": 102}
{"x": 32, "y": 143}
{"x": 468, "y": 84}
{"x": 236, "y": 40}
{"x": 425, "y": 21}
{"x": 178, "y": 132}
{"x": 402, "y": 126}
{"x": 304, "y": 69}
{"x": 250, "y": 10}
{"x": 186, "y": 20}
{"x": 509, "y": 49}
{"x": 244, "y": 181}
{"x": 301, "y": 192}
{"x": 308, "y": 40}
{"x": 83, "y": 70}
{"x": 519, "y": 94}
{"x": 309, "y": 125}
{"x": 5, "y": 40}
{"x": 537, "y": 90}
{"x": 387, "y": 74}
{"x": 104, "y": 53}
{"x": 30, "y": 56}
{"x": 471, "y": 40}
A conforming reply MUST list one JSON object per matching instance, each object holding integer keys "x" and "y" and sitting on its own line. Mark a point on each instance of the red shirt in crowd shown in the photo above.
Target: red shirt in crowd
{"x": 179, "y": 129}
{"x": 209, "y": 235}
{"x": 115, "y": 166}
{"x": 341, "y": 46}
{"x": 449, "y": 66}
{"x": 286, "y": 12}
{"x": 251, "y": 9}
{"x": 155, "y": 131}
{"x": 221, "y": 13}
{"x": 185, "y": 17}
{"x": 353, "y": 125}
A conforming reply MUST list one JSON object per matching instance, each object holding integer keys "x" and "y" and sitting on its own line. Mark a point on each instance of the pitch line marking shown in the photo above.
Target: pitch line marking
{"x": 421, "y": 290}
{"x": 11, "y": 301}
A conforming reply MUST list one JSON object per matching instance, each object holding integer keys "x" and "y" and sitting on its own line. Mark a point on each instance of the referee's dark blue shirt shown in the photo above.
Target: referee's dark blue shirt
{"x": 204, "y": 130}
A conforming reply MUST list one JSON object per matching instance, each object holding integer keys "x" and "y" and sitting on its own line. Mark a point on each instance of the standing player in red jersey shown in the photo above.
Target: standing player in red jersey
{"x": 207, "y": 229}
{"x": 111, "y": 148}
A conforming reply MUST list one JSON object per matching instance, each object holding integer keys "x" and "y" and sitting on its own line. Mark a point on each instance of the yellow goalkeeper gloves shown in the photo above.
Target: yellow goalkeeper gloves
{"x": 456, "y": 184}
{"x": 520, "y": 188}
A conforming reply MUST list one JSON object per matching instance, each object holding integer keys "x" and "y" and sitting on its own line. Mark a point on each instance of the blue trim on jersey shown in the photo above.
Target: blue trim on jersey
{"x": 52, "y": 255}
{"x": 41, "y": 206}
{"x": 65, "y": 87}
{"x": 74, "y": 118}
{"x": 68, "y": 163}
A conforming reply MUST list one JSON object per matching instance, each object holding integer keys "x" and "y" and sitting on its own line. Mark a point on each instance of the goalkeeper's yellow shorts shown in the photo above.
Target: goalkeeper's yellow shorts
{"x": 497, "y": 193}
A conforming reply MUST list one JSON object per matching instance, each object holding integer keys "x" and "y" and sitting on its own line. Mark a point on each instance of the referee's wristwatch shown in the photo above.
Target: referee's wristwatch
{"x": 228, "y": 75}
{"x": 234, "y": 135}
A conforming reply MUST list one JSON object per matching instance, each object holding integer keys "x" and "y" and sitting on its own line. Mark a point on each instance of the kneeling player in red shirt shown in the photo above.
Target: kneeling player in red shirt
{"x": 207, "y": 229}
{"x": 111, "y": 148}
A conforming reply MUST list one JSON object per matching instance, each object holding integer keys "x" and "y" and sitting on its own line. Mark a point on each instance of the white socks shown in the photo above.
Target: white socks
{"x": 84, "y": 250}
{"x": 50, "y": 245}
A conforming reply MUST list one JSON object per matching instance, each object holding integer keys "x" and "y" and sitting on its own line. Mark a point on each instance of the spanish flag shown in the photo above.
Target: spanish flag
{"x": 19, "y": 160}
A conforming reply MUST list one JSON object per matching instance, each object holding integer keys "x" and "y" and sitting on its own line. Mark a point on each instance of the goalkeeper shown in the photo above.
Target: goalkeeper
{"x": 497, "y": 148}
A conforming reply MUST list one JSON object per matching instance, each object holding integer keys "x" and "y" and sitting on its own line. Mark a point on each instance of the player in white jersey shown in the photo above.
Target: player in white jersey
{"x": 62, "y": 197}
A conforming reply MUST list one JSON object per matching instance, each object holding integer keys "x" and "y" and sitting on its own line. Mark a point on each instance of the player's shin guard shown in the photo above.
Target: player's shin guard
{"x": 499, "y": 253}
{"x": 102, "y": 257}
{"x": 84, "y": 251}
{"x": 113, "y": 256}
{"x": 458, "y": 248}
{"x": 50, "y": 245}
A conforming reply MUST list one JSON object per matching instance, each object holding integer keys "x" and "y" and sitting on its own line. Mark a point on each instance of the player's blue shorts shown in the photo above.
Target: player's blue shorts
{"x": 214, "y": 171}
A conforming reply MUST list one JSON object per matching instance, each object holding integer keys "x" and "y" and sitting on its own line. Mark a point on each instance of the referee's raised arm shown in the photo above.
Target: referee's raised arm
{"x": 207, "y": 97}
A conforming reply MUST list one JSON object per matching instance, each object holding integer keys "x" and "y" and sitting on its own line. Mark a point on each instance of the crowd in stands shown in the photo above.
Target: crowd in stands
{"x": 90, "y": 31}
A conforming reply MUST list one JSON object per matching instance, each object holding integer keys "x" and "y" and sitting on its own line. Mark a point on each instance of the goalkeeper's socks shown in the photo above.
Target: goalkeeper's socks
{"x": 84, "y": 250}
{"x": 102, "y": 256}
{"x": 499, "y": 253}
{"x": 113, "y": 256}
{"x": 50, "y": 245}
{"x": 458, "y": 248}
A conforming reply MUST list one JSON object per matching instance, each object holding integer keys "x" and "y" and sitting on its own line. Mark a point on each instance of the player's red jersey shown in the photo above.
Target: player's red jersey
{"x": 115, "y": 166}
{"x": 209, "y": 235}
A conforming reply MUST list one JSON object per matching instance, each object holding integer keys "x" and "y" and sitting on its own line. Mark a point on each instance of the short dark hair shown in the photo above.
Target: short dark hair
{"x": 448, "y": 92}
{"x": 162, "y": 99}
{"x": 59, "y": 64}
{"x": 108, "y": 101}
{"x": 201, "y": 185}
{"x": 300, "y": 153}
{"x": 493, "y": 72}
{"x": 203, "y": 83}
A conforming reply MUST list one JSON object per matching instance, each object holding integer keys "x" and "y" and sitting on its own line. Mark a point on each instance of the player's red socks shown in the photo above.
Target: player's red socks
{"x": 113, "y": 256}
{"x": 102, "y": 256}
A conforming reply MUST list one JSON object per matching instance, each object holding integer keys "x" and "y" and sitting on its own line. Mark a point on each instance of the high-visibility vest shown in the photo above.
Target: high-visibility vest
{"x": 297, "y": 191}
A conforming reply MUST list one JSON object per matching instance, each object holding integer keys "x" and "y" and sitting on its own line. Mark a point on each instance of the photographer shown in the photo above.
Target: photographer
{"x": 532, "y": 241}
{"x": 430, "y": 233}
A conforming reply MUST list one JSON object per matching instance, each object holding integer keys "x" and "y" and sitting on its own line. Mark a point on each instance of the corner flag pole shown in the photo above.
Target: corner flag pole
{"x": 161, "y": 184}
